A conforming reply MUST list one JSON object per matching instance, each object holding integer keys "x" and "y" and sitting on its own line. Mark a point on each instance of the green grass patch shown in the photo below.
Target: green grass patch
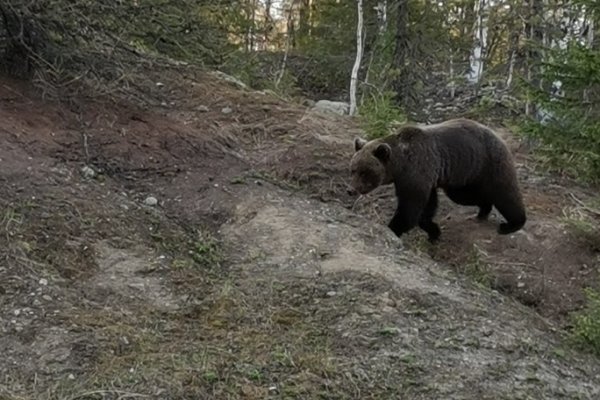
{"x": 586, "y": 323}
{"x": 378, "y": 114}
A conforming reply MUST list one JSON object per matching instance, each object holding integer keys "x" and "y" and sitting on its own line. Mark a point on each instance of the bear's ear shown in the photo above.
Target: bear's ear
{"x": 359, "y": 143}
{"x": 383, "y": 152}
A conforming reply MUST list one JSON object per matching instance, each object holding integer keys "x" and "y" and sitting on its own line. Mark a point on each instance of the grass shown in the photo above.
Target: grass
{"x": 476, "y": 268}
{"x": 237, "y": 337}
{"x": 378, "y": 113}
{"x": 583, "y": 227}
{"x": 586, "y": 324}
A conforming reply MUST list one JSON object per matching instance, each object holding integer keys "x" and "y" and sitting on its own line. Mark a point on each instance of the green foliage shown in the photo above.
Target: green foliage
{"x": 206, "y": 250}
{"x": 322, "y": 57}
{"x": 584, "y": 229}
{"x": 477, "y": 269}
{"x": 586, "y": 323}
{"x": 261, "y": 71}
{"x": 571, "y": 137}
{"x": 98, "y": 44}
{"x": 378, "y": 113}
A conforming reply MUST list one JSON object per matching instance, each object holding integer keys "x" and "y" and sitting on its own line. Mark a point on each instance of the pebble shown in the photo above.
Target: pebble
{"x": 331, "y": 293}
{"x": 226, "y": 110}
{"x": 151, "y": 201}
{"x": 88, "y": 172}
{"x": 202, "y": 109}
{"x": 43, "y": 282}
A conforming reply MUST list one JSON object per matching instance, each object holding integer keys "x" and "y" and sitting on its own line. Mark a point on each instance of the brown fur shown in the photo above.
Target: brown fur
{"x": 463, "y": 157}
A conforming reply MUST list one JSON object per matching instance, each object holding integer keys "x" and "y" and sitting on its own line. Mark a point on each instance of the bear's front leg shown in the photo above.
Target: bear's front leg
{"x": 405, "y": 218}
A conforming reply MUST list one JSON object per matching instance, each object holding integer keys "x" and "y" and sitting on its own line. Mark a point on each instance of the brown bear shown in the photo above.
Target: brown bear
{"x": 463, "y": 157}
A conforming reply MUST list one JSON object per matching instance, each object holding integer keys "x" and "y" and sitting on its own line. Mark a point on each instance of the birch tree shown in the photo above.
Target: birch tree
{"x": 477, "y": 55}
{"x": 401, "y": 82}
{"x": 357, "y": 61}
{"x": 288, "y": 42}
{"x": 381, "y": 9}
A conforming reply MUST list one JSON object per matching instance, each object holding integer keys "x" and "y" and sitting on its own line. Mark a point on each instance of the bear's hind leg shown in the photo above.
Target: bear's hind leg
{"x": 472, "y": 195}
{"x": 510, "y": 205}
{"x": 426, "y": 220}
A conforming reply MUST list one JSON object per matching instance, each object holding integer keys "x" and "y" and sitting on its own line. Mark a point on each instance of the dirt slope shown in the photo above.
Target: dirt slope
{"x": 255, "y": 276}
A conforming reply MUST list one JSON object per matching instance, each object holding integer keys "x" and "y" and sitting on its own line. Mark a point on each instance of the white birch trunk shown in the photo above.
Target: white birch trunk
{"x": 452, "y": 83}
{"x": 381, "y": 9}
{"x": 480, "y": 44}
{"x": 359, "y": 50}
{"x": 288, "y": 41}
{"x": 511, "y": 68}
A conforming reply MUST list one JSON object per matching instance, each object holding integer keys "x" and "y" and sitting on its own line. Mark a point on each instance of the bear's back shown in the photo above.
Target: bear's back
{"x": 469, "y": 151}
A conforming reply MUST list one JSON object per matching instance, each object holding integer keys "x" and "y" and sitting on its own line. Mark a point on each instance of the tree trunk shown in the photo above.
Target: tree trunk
{"x": 304, "y": 18}
{"x": 402, "y": 81}
{"x": 534, "y": 55}
{"x": 268, "y": 24}
{"x": 381, "y": 9}
{"x": 289, "y": 40}
{"x": 359, "y": 50}
{"x": 514, "y": 48}
{"x": 480, "y": 44}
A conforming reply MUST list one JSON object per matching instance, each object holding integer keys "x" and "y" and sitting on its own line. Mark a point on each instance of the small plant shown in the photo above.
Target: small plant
{"x": 583, "y": 228}
{"x": 586, "y": 323}
{"x": 477, "y": 269}
{"x": 210, "y": 376}
{"x": 205, "y": 250}
{"x": 378, "y": 114}
{"x": 485, "y": 105}
{"x": 254, "y": 374}
{"x": 389, "y": 331}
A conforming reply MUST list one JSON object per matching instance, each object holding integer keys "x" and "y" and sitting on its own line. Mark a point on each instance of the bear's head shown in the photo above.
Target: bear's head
{"x": 369, "y": 165}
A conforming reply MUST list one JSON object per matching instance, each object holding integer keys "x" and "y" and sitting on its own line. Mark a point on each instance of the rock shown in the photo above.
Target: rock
{"x": 43, "y": 282}
{"x": 308, "y": 103}
{"x": 202, "y": 109}
{"x": 228, "y": 78}
{"x": 332, "y": 107}
{"x": 151, "y": 201}
{"x": 159, "y": 84}
{"x": 331, "y": 293}
{"x": 226, "y": 110}
{"x": 88, "y": 172}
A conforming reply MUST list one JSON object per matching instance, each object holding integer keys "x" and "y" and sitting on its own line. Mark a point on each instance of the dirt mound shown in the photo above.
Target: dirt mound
{"x": 204, "y": 246}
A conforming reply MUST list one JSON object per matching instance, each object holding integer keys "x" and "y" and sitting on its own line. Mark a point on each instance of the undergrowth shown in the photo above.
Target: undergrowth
{"x": 586, "y": 323}
{"x": 476, "y": 268}
{"x": 378, "y": 114}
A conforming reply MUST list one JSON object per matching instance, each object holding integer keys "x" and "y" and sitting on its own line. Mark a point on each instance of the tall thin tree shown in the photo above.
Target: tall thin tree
{"x": 357, "y": 61}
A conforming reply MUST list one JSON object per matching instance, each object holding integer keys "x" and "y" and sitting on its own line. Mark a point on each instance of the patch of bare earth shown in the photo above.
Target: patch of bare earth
{"x": 255, "y": 275}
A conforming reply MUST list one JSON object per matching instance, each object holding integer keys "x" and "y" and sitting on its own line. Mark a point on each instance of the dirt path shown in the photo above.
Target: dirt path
{"x": 254, "y": 275}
